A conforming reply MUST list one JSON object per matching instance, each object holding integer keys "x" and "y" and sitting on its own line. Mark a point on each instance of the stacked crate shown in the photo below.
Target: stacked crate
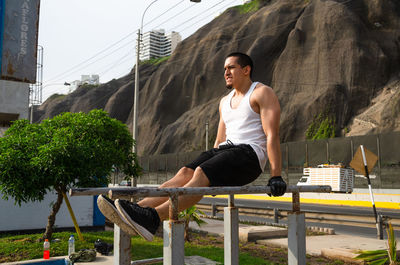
{"x": 339, "y": 178}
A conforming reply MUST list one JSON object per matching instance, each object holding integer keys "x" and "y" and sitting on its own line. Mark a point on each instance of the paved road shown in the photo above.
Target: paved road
{"x": 340, "y": 229}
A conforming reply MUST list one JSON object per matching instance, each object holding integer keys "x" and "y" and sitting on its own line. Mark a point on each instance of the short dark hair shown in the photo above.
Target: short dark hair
{"x": 243, "y": 60}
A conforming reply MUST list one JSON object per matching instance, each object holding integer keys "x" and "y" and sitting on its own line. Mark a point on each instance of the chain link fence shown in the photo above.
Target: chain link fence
{"x": 296, "y": 156}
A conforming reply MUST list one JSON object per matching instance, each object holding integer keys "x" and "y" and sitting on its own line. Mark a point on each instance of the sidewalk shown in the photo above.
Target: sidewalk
{"x": 340, "y": 246}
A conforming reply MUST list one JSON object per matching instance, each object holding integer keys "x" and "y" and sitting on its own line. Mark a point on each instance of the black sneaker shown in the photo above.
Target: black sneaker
{"x": 107, "y": 207}
{"x": 145, "y": 220}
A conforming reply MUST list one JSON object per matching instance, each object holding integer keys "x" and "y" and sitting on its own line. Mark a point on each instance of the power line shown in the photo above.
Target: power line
{"x": 122, "y": 59}
{"x": 131, "y": 43}
{"x": 250, "y": 35}
{"x": 181, "y": 59}
{"x": 201, "y": 12}
{"x": 68, "y": 71}
{"x": 158, "y": 16}
{"x": 83, "y": 64}
{"x": 175, "y": 15}
{"x": 182, "y": 30}
{"x": 97, "y": 54}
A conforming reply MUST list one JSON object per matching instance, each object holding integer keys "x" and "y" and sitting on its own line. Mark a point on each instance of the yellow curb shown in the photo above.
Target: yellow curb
{"x": 388, "y": 205}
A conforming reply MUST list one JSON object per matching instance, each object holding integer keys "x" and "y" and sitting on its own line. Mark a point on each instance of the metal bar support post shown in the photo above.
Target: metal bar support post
{"x": 122, "y": 247}
{"x": 296, "y": 233}
{"x": 174, "y": 231}
{"x": 231, "y": 233}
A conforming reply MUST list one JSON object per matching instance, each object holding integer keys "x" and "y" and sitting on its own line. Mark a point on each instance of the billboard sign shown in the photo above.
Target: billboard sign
{"x": 19, "y": 35}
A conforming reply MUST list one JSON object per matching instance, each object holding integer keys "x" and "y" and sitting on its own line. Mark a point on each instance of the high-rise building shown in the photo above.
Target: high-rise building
{"x": 156, "y": 44}
{"x": 85, "y": 79}
{"x": 90, "y": 79}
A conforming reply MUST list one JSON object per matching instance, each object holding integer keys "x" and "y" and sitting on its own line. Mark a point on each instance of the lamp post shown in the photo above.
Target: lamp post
{"x": 32, "y": 103}
{"x": 136, "y": 96}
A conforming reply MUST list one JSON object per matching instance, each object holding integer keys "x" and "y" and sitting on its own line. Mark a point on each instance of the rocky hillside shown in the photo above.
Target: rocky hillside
{"x": 335, "y": 59}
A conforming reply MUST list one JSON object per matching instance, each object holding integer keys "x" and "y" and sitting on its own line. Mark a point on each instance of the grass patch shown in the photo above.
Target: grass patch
{"x": 56, "y": 96}
{"x": 322, "y": 127}
{"x": 249, "y": 7}
{"x": 88, "y": 86}
{"x": 156, "y": 61}
{"x": 26, "y": 247}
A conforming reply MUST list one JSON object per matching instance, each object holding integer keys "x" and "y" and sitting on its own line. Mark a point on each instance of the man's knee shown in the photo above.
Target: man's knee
{"x": 201, "y": 177}
{"x": 186, "y": 173}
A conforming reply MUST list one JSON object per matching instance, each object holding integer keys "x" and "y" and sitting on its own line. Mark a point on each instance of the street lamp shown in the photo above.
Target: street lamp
{"x": 136, "y": 96}
{"x": 32, "y": 104}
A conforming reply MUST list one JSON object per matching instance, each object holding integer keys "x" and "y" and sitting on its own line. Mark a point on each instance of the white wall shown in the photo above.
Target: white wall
{"x": 14, "y": 97}
{"x": 34, "y": 215}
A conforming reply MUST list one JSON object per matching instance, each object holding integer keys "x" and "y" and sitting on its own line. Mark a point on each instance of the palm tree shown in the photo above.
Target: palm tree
{"x": 191, "y": 214}
{"x": 380, "y": 257}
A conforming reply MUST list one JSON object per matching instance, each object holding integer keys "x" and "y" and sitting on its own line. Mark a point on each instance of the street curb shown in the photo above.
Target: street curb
{"x": 347, "y": 255}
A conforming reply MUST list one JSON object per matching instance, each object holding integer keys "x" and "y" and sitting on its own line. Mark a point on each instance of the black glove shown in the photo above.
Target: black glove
{"x": 278, "y": 186}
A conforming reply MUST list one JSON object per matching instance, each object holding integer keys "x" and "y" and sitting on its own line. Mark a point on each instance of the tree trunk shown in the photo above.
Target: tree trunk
{"x": 187, "y": 236}
{"x": 52, "y": 217}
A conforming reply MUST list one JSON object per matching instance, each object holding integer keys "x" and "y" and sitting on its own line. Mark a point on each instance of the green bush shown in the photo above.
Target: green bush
{"x": 156, "y": 61}
{"x": 68, "y": 150}
{"x": 249, "y": 7}
{"x": 322, "y": 127}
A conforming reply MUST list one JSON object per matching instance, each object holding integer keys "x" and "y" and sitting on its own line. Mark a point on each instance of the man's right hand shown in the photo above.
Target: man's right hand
{"x": 278, "y": 186}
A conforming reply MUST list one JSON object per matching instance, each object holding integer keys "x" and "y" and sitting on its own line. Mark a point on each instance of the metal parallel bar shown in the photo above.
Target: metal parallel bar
{"x": 88, "y": 191}
{"x": 231, "y": 200}
{"x": 166, "y": 192}
{"x": 174, "y": 229}
{"x": 147, "y": 261}
{"x": 296, "y": 202}
{"x": 173, "y": 208}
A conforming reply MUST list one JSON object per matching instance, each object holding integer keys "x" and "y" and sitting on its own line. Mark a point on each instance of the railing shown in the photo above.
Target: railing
{"x": 353, "y": 219}
{"x": 173, "y": 251}
{"x": 295, "y": 155}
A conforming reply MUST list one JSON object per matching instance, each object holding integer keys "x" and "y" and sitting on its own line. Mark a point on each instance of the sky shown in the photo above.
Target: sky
{"x": 99, "y": 36}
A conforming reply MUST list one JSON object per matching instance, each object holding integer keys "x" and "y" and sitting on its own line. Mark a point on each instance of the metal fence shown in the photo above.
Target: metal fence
{"x": 296, "y": 156}
{"x": 173, "y": 229}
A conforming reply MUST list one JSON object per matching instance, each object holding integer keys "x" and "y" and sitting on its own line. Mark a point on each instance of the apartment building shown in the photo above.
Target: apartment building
{"x": 157, "y": 44}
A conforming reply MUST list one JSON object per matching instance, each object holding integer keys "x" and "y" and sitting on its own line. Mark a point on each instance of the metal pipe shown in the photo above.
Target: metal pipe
{"x": 166, "y": 192}
{"x": 296, "y": 201}
{"x": 173, "y": 208}
{"x": 231, "y": 200}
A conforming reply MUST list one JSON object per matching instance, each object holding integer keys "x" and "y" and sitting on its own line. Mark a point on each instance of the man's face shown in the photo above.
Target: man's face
{"x": 233, "y": 72}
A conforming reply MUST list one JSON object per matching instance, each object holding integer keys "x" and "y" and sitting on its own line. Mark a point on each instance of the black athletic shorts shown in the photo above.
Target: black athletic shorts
{"x": 229, "y": 165}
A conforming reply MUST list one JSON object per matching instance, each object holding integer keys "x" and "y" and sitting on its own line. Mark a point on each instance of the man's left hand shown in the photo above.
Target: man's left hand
{"x": 278, "y": 186}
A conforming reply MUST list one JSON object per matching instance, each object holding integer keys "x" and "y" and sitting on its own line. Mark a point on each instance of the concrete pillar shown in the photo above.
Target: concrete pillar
{"x": 231, "y": 236}
{"x": 296, "y": 238}
{"x": 122, "y": 247}
{"x": 174, "y": 242}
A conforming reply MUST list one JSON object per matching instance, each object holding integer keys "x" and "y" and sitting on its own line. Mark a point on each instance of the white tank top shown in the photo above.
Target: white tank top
{"x": 243, "y": 125}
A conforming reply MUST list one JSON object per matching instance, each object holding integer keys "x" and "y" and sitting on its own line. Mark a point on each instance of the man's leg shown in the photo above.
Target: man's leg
{"x": 146, "y": 220}
{"x": 199, "y": 179}
{"x": 181, "y": 178}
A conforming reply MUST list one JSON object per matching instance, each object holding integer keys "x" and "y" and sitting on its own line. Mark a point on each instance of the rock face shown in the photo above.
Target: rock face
{"x": 321, "y": 57}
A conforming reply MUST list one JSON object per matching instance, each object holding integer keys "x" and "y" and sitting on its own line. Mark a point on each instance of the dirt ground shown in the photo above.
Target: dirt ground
{"x": 270, "y": 253}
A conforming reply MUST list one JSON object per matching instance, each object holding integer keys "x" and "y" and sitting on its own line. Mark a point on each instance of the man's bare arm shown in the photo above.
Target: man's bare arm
{"x": 270, "y": 118}
{"x": 221, "y": 133}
